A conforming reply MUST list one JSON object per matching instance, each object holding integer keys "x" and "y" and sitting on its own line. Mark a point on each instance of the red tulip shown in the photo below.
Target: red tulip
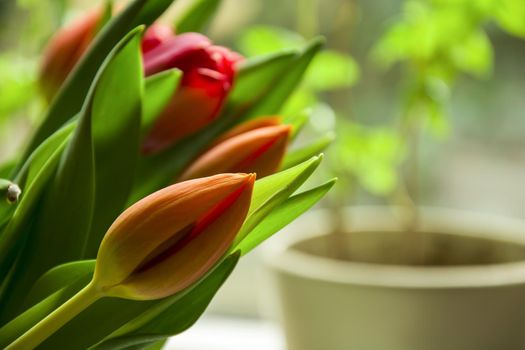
{"x": 170, "y": 239}
{"x": 156, "y": 35}
{"x": 257, "y": 151}
{"x": 209, "y": 72}
{"x": 65, "y": 49}
{"x": 208, "y": 77}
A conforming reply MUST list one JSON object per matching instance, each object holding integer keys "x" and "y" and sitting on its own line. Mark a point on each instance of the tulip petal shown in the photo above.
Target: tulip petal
{"x": 65, "y": 49}
{"x": 169, "y": 53}
{"x": 250, "y": 125}
{"x": 156, "y": 35}
{"x": 259, "y": 151}
{"x": 184, "y": 267}
{"x": 190, "y": 110}
{"x": 156, "y": 220}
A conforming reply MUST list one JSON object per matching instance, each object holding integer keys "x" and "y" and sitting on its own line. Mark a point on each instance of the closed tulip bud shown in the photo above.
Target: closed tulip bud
{"x": 170, "y": 239}
{"x": 257, "y": 123}
{"x": 208, "y": 74}
{"x": 257, "y": 151}
{"x": 65, "y": 49}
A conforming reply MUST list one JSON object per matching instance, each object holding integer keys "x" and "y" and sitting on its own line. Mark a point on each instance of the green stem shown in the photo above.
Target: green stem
{"x": 58, "y": 318}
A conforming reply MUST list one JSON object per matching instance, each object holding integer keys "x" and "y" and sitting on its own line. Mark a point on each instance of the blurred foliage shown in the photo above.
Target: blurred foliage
{"x": 368, "y": 155}
{"x": 435, "y": 41}
{"x": 17, "y": 84}
{"x": 330, "y": 69}
{"x": 365, "y": 155}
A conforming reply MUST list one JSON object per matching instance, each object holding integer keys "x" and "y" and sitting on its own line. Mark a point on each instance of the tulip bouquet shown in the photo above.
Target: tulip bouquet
{"x": 159, "y": 162}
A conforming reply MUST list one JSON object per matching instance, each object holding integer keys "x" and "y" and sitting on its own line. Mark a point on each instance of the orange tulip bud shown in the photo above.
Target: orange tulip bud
{"x": 260, "y": 122}
{"x": 259, "y": 151}
{"x": 65, "y": 49}
{"x": 170, "y": 239}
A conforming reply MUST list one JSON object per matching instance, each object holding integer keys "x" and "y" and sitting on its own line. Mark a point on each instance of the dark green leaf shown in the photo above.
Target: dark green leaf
{"x": 175, "y": 317}
{"x": 116, "y": 118}
{"x": 52, "y": 290}
{"x": 66, "y": 211}
{"x": 36, "y": 179}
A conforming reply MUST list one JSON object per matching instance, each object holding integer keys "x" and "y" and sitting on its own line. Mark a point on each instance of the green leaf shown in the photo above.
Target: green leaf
{"x": 8, "y": 167}
{"x": 175, "y": 317}
{"x": 198, "y": 16}
{"x": 116, "y": 119}
{"x": 474, "y": 55}
{"x": 272, "y": 102}
{"x": 255, "y": 78}
{"x": 32, "y": 168}
{"x": 166, "y": 316}
{"x": 66, "y": 212}
{"x": 59, "y": 277}
{"x": 299, "y": 155}
{"x": 282, "y": 215}
{"x": 510, "y": 14}
{"x": 50, "y": 291}
{"x": 158, "y": 92}
{"x": 102, "y": 318}
{"x": 70, "y": 98}
{"x": 271, "y": 191}
{"x": 39, "y": 169}
{"x": 41, "y": 155}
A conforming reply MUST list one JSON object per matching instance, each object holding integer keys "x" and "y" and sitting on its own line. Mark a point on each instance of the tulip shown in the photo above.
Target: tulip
{"x": 208, "y": 77}
{"x": 170, "y": 239}
{"x": 159, "y": 246}
{"x": 259, "y": 151}
{"x": 253, "y": 124}
{"x": 209, "y": 71}
{"x": 65, "y": 49}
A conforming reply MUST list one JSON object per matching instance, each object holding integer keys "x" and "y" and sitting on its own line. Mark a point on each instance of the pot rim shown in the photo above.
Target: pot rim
{"x": 280, "y": 254}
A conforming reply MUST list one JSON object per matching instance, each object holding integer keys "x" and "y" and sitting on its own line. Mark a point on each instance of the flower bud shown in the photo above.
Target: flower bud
{"x": 253, "y": 124}
{"x": 208, "y": 73}
{"x": 65, "y": 49}
{"x": 259, "y": 151}
{"x": 170, "y": 239}
{"x": 155, "y": 35}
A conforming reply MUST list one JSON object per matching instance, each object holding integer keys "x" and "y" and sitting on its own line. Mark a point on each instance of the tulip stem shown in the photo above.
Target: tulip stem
{"x": 58, "y": 318}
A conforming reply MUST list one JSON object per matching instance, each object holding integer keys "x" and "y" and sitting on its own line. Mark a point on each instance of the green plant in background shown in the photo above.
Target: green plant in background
{"x": 19, "y": 101}
{"x": 99, "y": 166}
{"x": 435, "y": 41}
{"x": 330, "y": 70}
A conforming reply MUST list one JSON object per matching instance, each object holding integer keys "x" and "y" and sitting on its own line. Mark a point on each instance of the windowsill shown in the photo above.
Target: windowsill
{"x": 229, "y": 333}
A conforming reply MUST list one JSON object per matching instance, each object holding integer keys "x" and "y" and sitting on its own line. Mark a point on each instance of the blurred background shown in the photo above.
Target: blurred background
{"x": 442, "y": 77}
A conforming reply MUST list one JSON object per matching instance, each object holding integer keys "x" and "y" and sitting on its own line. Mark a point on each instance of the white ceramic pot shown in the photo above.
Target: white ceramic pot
{"x": 474, "y": 301}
